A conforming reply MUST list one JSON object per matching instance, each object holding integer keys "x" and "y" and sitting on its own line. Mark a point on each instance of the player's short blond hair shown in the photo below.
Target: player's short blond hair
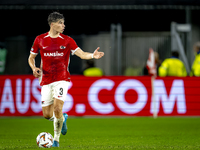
{"x": 54, "y": 17}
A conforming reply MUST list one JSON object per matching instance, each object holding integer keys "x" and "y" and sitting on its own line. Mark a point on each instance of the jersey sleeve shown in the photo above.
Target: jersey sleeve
{"x": 35, "y": 47}
{"x": 73, "y": 46}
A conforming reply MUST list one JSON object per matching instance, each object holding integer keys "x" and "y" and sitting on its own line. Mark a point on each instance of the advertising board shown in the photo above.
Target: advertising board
{"x": 107, "y": 96}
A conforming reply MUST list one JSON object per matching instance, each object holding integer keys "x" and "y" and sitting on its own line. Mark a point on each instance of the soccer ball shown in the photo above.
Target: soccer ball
{"x": 44, "y": 140}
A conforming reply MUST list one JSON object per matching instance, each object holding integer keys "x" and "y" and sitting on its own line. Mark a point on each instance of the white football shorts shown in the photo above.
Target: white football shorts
{"x": 53, "y": 90}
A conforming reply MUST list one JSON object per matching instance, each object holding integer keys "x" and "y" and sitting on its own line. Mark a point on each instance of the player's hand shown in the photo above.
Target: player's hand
{"x": 98, "y": 54}
{"x": 37, "y": 72}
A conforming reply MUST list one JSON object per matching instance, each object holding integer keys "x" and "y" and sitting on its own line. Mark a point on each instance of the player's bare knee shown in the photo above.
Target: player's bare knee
{"x": 46, "y": 116}
{"x": 57, "y": 111}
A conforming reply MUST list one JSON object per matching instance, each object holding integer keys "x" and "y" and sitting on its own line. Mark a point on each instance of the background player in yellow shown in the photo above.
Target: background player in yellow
{"x": 172, "y": 66}
{"x": 91, "y": 70}
{"x": 195, "y": 71}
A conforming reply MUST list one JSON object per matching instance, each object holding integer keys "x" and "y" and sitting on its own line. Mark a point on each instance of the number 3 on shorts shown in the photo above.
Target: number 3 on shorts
{"x": 61, "y": 91}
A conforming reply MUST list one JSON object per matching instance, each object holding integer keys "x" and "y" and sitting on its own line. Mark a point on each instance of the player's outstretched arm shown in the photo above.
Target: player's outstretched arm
{"x": 85, "y": 55}
{"x": 31, "y": 61}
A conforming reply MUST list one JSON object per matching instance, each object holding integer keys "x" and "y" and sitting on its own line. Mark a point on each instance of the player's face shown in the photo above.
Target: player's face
{"x": 59, "y": 26}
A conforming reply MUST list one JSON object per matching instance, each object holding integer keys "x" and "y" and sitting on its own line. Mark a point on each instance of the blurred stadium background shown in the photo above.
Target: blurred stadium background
{"x": 124, "y": 29}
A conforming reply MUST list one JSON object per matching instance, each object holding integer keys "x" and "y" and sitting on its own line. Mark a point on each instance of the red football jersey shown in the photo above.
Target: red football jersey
{"x": 55, "y": 55}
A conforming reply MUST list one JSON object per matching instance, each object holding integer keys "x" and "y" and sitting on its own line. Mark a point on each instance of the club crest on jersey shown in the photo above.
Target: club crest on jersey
{"x": 62, "y": 47}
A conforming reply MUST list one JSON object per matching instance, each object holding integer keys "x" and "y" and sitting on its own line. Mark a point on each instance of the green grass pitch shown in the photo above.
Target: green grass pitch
{"x": 142, "y": 133}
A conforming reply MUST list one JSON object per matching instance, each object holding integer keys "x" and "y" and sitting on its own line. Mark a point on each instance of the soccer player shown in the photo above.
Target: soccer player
{"x": 53, "y": 74}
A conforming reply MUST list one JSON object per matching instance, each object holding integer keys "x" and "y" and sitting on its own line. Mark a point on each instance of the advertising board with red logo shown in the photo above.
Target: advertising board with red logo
{"x": 107, "y": 96}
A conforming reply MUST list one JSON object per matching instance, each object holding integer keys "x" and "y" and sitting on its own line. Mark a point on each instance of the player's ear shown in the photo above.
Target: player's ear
{"x": 51, "y": 25}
